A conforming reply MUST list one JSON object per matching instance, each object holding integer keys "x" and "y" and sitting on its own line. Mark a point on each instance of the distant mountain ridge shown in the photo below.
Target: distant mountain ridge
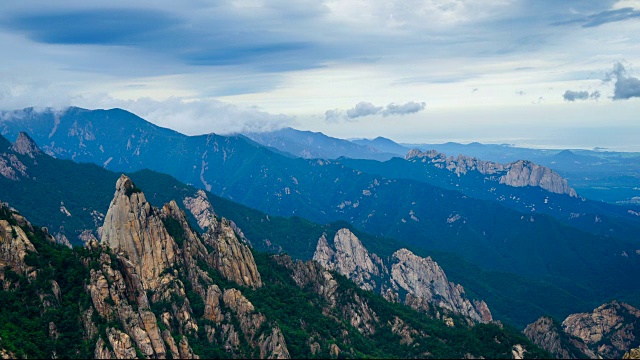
{"x": 74, "y": 214}
{"x": 414, "y": 212}
{"x": 384, "y": 144}
{"x": 310, "y": 145}
{"x": 517, "y": 174}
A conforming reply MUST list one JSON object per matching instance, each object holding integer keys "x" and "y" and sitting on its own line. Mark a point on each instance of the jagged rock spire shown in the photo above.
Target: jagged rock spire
{"x": 133, "y": 227}
{"x": 422, "y": 279}
{"x": 26, "y": 146}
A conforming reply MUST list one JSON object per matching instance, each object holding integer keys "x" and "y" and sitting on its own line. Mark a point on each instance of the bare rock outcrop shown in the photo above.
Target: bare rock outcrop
{"x": 525, "y": 173}
{"x": 612, "y": 329}
{"x": 230, "y": 256}
{"x": 121, "y": 344}
{"x": 273, "y": 346}
{"x": 102, "y": 351}
{"x": 548, "y": 334}
{"x": 11, "y": 167}
{"x": 14, "y": 245}
{"x": 133, "y": 227}
{"x": 421, "y": 279}
{"x": 212, "y": 306}
{"x": 517, "y": 174}
{"x": 351, "y": 259}
{"x": 632, "y": 354}
{"x": 25, "y": 145}
{"x": 201, "y": 208}
{"x": 311, "y": 274}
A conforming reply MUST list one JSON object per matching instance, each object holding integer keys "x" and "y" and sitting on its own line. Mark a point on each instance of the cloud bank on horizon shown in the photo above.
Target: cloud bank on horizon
{"x": 258, "y": 65}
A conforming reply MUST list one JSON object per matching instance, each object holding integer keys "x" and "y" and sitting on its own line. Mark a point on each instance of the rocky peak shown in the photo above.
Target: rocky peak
{"x": 525, "y": 173}
{"x": 230, "y": 256}
{"x": 424, "y": 279}
{"x": 201, "y": 208}
{"x": 349, "y": 258}
{"x": 25, "y": 145}
{"x": 421, "y": 279}
{"x": 548, "y": 334}
{"x": 14, "y": 245}
{"x": 133, "y": 227}
{"x": 612, "y": 328}
{"x": 517, "y": 174}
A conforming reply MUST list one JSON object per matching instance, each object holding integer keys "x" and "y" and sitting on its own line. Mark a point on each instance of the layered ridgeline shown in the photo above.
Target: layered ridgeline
{"x": 520, "y": 185}
{"x": 74, "y": 214}
{"x": 316, "y": 145}
{"x": 609, "y": 331}
{"x": 409, "y": 210}
{"x": 598, "y": 174}
{"x": 586, "y": 267}
{"x": 152, "y": 287}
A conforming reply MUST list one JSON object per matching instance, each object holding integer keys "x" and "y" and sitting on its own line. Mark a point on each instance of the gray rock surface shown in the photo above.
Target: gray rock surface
{"x": 517, "y": 174}
{"x": 422, "y": 279}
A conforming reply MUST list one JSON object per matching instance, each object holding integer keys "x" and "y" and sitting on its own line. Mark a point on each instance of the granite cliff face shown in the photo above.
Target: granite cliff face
{"x": 632, "y": 354}
{"x": 25, "y": 145}
{"x": 157, "y": 255}
{"x": 349, "y": 258}
{"x": 230, "y": 256}
{"x": 13, "y": 168}
{"x": 517, "y": 174}
{"x": 423, "y": 282}
{"x": 610, "y": 331}
{"x": 549, "y": 335}
{"x": 14, "y": 243}
{"x": 134, "y": 228}
{"x": 200, "y": 207}
{"x": 345, "y": 304}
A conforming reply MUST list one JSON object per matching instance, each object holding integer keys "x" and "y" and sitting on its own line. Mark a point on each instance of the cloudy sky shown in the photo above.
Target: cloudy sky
{"x": 543, "y": 73}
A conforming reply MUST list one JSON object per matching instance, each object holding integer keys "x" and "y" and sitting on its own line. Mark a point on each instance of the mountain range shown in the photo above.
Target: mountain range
{"x": 428, "y": 218}
{"x": 152, "y": 287}
{"x": 600, "y": 174}
{"x": 513, "y": 236}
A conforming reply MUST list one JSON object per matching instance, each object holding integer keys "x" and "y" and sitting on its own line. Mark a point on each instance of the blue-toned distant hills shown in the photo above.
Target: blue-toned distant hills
{"x": 415, "y": 204}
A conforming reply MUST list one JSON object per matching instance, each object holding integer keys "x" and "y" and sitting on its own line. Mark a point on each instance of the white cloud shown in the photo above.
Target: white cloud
{"x": 364, "y": 108}
{"x": 191, "y": 117}
{"x": 621, "y": 4}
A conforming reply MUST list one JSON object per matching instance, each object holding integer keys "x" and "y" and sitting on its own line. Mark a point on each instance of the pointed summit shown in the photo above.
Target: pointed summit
{"x": 26, "y": 146}
{"x": 133, "y": 227}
